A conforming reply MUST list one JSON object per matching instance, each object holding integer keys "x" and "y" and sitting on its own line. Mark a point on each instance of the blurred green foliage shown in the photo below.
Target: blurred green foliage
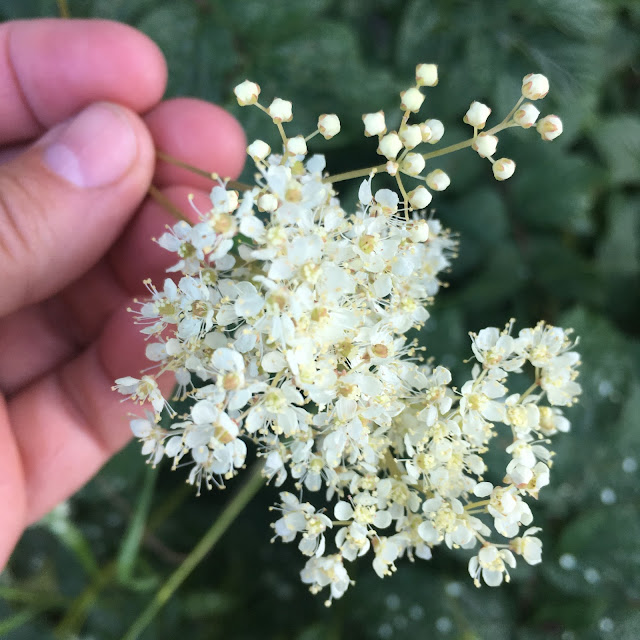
{"x": 560, "y": 241}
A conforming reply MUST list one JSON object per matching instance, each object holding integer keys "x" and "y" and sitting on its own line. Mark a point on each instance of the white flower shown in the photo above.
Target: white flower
{"x": 491, "y": 563}
{"x": 549, "y": 127}
{"x": 535, "y": 86}
{"x": 477, "y": 115}
{"x": 320, "y": 572}
{"x": 143, "y": 389}
{"x": 503, "y": 168}
{"x": 528, "y": 546}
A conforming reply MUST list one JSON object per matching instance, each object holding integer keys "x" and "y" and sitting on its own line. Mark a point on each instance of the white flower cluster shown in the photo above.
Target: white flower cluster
{"x": 287, "y": 328}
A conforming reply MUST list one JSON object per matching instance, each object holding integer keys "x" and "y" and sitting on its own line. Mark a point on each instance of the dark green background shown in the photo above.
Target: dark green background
{"x": 558, "y": 241}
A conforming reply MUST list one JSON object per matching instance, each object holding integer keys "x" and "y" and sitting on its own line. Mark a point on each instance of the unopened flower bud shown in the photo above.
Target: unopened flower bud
{"x": 328, "y": 125}
{"x": 503, "y": 168}
{"x": 427, "y": 75}
{"x": 374, "y": 124}
{"x": 297, "y": 146}
{"x": 477, "y": 115}
{"x": 419, "y": 232}
{"x": 390, "y": 145}
{"x": 267, "y": 202}
{"x": 420, "y": 198}
{"x": 411, "y": 99}
{"x": 437, "y": 130}
{"x": 258, "y": 150}
{"x": 280, "y": 110}
{"x": 485, "y": 144}
{"x": 535, "y": 86}
{"x": 425, "y": 132}
{"x": 391, "y": 167}
{"x": 413, "y": 164}
{"x": 438, "y": 180}
{"x": 247, "y": 92}
{"x": 526, "y": 115}
{"x": 411, "y": 136}
{"x": 549, "y": 127}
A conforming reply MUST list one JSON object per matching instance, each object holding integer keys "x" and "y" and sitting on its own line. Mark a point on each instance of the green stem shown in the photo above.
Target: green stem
{"x": 63, "y": 8}
{"x": 43, "y": 598}
{"x": 360, "y": 173}
{"x": 75, "y": 615}
{"x": 18, "y": 620}
{"x": 205, "y": 545}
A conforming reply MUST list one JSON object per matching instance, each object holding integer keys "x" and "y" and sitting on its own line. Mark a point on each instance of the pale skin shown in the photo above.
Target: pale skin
{"x": 72, "y": 257}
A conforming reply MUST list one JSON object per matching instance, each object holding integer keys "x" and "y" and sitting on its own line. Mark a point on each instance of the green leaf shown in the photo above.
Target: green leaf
{"x": 173, "y": 28}
{"x": 619, "y": 251}
{"x": 128, "y": 555}
{"x": 617, "y": 138}
{"x": 554, "y": 190}
{"x": 584, "y": 19}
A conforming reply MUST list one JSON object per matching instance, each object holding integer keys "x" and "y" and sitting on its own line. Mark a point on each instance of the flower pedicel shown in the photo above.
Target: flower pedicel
{"x": 287, "y": 327}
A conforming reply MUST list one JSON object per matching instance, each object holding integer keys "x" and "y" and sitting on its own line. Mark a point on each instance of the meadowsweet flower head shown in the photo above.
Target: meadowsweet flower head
{"x": 285, "y": 327}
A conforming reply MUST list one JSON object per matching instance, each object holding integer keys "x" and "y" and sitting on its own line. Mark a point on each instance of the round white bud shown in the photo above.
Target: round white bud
{"x": 425, "y": 132}
{"x": 419, "y": 232}
{"x": 535, "y": 86}
{"x": 437, "y": 130}
{"x": 438, "y": 180}
{"x": 411, "y": 136}
{"x": 477, "y": 115}
{"x": 411, "y": 99}
{"x": 297, "y": 146}
{"x": 549, "y": 127}
{"x": 258, "y": 150}
{"x": 503, "y": 168}
{"x": 391, "y": 168}
{"x": 526, "y": 115}
{"x": 247, "y": 92}
{"x": 280, "y": 110}
{"x": 413, "y": 164}
{"x": 390, "y": 145}
{"x": 420, "y": 198}
{"x": 427, "y": 75}
{"x": 328, "y": 125}
{"x": 267, "y": 202}
{"x": 485, "y": 145}
{"x": 374, "y": 124}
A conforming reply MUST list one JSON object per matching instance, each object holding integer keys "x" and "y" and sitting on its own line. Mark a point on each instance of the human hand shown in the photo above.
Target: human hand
{"x": 75, "y": 231}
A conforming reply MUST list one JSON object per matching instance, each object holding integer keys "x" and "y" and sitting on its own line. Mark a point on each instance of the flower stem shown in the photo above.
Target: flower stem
{"x": 232, "y": 184}
{"x": 63, "y": 9}
{"x": 166, "y": 204}
{"x": 360, "y": 173}
{"x": 205, "y": 545}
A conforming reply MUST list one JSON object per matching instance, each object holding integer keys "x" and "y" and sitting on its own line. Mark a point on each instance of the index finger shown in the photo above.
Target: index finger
{"x": 51, "y": 69}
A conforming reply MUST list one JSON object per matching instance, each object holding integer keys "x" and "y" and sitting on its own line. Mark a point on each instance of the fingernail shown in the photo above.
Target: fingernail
{"x": 95, "y": 149}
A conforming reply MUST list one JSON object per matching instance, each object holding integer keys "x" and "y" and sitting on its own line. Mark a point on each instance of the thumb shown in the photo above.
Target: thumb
{"x": 64, "y": 200}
